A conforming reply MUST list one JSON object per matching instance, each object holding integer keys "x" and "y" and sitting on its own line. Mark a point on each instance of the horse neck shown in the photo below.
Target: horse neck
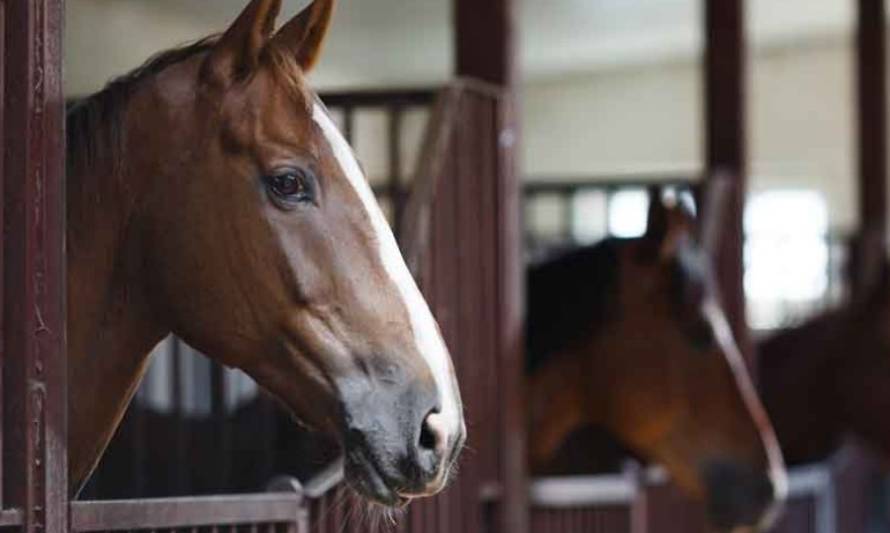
{"x": 862, "y": 368}
{"x": 563, "y": 316}
{"x": 557, "y": 393}
{"x": 111, "y": 329}
{"x": 799, "y": 371}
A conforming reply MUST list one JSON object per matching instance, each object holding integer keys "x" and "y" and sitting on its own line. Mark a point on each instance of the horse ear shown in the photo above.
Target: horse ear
{"x": 237, "y": 53}
{"x": 305, "y": 33}
{"x": 657, "y": 221}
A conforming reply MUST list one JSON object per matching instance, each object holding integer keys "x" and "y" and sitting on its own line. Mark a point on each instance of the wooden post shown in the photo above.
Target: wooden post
{"x": 725, "y": 150}
{"x": 871, "y": 70}
{"x": 485, "y": 40}
{"x": 32, "y": 344}
{"x": 486, "y": 49}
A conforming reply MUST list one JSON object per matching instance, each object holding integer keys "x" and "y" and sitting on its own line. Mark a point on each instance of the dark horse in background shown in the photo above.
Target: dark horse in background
{"x": 829, "y": 377}
{"x": 210, "y": 195}
{"x": 629, "y": 336}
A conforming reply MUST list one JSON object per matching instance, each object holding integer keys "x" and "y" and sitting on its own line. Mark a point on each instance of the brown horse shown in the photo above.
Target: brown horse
{"x": 830, "y": 377}
{"x": 628, "y": 336}
{"x": 211, "y": 195}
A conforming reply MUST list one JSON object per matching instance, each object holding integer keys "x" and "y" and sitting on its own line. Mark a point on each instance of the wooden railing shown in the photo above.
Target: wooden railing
{"x": 257, "y": 513}
{"x": 585, "y": 504}
{"x": 626, "y": 503}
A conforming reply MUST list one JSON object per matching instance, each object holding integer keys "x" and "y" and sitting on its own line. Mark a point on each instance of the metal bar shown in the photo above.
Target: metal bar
{"x": 268, "y": 418}
{"x": 221, "y": 428}
{"x": 581, "y": 491}
{"x": 177, "y": 477}
{"x": 34, "y": 387}
{"x": 181, "y": 513}
{"x": 136, "y": 419}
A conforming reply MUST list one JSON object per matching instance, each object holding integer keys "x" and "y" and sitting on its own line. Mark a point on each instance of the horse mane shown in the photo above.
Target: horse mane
{"x": 569, "y": 298}
{"x": 94, "y": 124}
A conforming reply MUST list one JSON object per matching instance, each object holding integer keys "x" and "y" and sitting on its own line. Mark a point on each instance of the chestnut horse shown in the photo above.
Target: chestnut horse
{"x": 830, "y": 377}
{"x": 628, "y": 336}
{"x": 211, "y": 195}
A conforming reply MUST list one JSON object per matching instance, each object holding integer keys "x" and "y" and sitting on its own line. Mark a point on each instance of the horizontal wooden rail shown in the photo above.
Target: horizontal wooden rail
{"x": 380, "y": 98}
{"x": 179, "y": 513}
{"x": 551, "y": 184}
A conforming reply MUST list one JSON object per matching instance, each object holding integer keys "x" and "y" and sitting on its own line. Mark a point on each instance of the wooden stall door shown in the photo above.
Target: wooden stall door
{"x": 462, "y": 276}
{"x": 32, "y": 339}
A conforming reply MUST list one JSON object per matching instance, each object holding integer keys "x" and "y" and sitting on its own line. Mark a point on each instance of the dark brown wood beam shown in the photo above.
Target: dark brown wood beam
{"x": 872, "y": 111}
{"x": 32, "y": 343}
{"x": 485, "y": 49}
{"x": 486, "y": 40}
{"x": 725, "y": 147}
{"x": 871, "y": 71}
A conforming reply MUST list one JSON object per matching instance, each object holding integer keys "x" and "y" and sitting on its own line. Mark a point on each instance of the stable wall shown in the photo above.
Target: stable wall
{"x": 648, "y": 118}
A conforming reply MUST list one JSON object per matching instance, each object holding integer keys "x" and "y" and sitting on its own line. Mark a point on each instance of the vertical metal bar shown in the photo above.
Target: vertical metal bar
{"x": 725, "y": 117}
{"x": 221, "y": 429}
{"x": 178, "y": 483}
{"x": 269, "y": 428}
{"x": 138, "y": 415}
{"x": 33, "y": 341}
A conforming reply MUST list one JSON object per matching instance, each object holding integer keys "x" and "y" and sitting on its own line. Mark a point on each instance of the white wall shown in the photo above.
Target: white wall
{"x": 647, "y": 118}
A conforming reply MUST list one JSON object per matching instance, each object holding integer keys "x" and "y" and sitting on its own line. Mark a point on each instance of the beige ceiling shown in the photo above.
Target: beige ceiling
{"x": 377, "y": 42}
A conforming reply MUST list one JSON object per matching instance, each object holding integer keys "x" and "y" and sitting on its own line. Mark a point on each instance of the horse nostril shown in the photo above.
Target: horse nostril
{"x": 427, "y": 438}
{"x": 432, "y": 433}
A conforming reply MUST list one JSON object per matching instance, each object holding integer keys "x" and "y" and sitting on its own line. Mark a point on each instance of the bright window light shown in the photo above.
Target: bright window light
{"x": 589, "y": 222}
{"x": 628, "y": 212}
{"x": 786, "y": 252}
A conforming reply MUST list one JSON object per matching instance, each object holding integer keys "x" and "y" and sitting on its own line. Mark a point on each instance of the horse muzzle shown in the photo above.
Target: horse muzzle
{"x": 397, "y": 445}
{"x": 741, "y": 498}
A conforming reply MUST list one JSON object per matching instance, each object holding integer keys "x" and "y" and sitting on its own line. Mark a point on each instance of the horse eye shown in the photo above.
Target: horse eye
{"x": 292, "y": 187}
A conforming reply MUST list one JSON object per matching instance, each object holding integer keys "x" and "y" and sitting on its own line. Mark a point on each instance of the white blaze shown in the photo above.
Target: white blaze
{"x": 426, "y": 332}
